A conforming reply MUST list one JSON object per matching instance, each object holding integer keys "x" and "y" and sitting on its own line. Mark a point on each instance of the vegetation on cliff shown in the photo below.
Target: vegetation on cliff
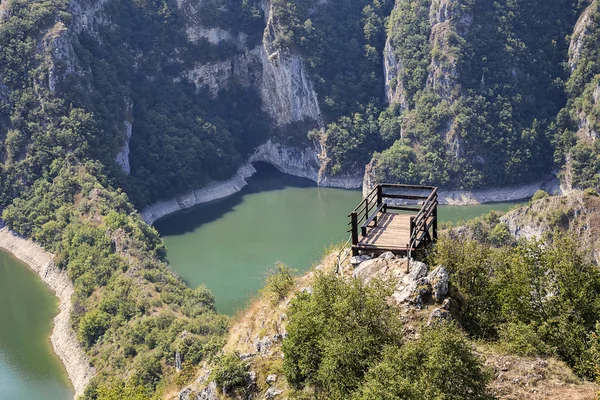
{"x": 516, "y": 308}
{"x": 480, "y": 100}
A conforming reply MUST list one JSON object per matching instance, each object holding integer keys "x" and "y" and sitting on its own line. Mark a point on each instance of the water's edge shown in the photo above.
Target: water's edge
{"x": 63, "y": 338}
{"x": 222, "y": 189}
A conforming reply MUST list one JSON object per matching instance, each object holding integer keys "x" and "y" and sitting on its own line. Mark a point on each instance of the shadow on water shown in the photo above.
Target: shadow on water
{"x": 267, "y": 178}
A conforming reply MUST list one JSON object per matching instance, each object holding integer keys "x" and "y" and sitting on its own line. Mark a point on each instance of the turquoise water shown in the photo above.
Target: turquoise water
{"x": 28, "y": 367}
{"x": 230, "y": 245}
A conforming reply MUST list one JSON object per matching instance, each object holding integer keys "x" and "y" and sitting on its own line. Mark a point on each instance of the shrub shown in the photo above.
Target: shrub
{"x": 440, "y": 365}
{"x": 522, "y": 339}
{"x": 278, "y": 283}
{"x": 231, "y": 372}
{"x": 500, "y": 235}
{"x": 540, "y": 194}
{"x": 92, "y": 326}
{"x": 336, "y": 333}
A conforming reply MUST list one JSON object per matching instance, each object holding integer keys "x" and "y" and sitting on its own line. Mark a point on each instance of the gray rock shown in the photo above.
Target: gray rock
{"x": 417, "y": 270}
{"x": 185, "y": 394}
{"x": 307, "y": 289}
{"x": 209, "y": 393}
{"x": 440, "y": 314}
{"x": 388, "y": 255}
{"x": 438, "y": 278}
{"x": 368, "y": 269}
{"x": 245, "y": 356}
{"x": 251, "y": 377}
{"x": 414, "y": 293}
{"x": 264, "y": 344}
{"x": 178, "y": 365}
{"x": 358, "y": 259}
{"x": 271, "y": 379}
{"x": 272, "y": 392}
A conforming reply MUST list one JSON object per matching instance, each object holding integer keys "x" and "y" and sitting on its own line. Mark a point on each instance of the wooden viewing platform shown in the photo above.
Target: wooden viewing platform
{"x": 382, "y": 222}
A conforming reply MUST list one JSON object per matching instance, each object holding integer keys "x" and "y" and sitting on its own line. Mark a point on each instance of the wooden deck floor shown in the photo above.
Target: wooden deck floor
{"x": 392, "y": 232}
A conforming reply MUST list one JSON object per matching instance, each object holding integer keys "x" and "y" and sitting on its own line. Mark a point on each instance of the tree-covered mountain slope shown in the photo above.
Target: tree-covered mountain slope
{"x": 107, "y": 106}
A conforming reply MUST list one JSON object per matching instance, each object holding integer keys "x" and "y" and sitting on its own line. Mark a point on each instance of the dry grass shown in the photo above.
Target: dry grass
{"x": 517, "y": 378}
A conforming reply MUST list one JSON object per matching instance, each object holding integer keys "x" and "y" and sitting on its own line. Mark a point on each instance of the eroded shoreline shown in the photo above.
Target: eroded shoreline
{"x": 63, "y": 338}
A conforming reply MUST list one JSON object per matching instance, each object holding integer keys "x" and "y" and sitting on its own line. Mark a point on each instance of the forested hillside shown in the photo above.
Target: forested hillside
{"x": 109, "y": 105}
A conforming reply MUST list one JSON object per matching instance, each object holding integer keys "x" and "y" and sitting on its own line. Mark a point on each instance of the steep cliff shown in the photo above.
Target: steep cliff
{"x": 577, "y": 125}
{"x": 576, "y": 212}
{"x": 461, "y": 75}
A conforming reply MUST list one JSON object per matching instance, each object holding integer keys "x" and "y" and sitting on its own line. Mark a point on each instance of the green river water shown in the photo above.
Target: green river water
{"x": 229, "y": 245}
{"x": 28, "y": 367}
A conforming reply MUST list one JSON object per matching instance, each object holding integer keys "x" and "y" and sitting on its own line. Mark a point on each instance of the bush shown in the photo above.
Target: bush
{"x": 500, "y": 235}
{"x": 440, "y": 365}
{"x": 536, "y": 292}
{"x": 92, "y": 327}
{"x": 231, "y": 372}
{"x": 522, "y": 339}
{"x": 540, "y": 194}
{"x": 336, "y": 333}
{"x": 278, "y": 283}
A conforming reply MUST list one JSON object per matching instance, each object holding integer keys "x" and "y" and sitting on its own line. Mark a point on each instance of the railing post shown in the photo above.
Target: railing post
{"x": 379, "y": 195}
{"x": 412, "y": 225}
{"x": 435, "y": 219}
{"x": 354, "y": 220}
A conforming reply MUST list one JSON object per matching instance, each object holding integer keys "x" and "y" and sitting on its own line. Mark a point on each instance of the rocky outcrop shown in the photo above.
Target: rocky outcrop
{"x": 580, "y": 32}
{"x": 580, "y": 44}
{"x": 123, "y": 156}
{"x": 445, "y": 21}
{"x": 392, "y": 67}
{"x": 303, "y": 163}
{"x": 285, "y": 88}
{"x": 577, "y": 212}
{"x": 588, "y": 128}
{"x": 63, "y": 338}
{"x": 414, "y": 286}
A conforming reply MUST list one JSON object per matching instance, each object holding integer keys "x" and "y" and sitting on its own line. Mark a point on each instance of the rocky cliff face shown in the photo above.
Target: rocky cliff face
{"x": 581, "y": 42}
{"x": 585, "y": 107}
{"x": 575, "y": 212}
{"x": 445, "y": 20}
{"x": 286, "y": 90}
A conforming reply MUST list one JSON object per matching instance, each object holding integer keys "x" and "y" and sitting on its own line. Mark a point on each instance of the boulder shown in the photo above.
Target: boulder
{"x": 356, "y": 260}
{"x": 441, "y": 313}
{"x": 438, "y": 278}
{"x": 367, "y": 270}
{"x": 417, "y": 270}
{"x": 209, "y": 393}
{"x": 272, "y": 392}
{"x": 388, "y": 255}
{"x": 185, "y": 394}
{"x": 271, "y": 379}
{"x": 414, "y": 293}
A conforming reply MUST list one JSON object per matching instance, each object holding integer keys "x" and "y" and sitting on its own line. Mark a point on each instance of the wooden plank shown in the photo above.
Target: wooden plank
{"x": 402, "y": 186}
{"x": 398, "y": 208}
{"x": 404, "y": 196}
